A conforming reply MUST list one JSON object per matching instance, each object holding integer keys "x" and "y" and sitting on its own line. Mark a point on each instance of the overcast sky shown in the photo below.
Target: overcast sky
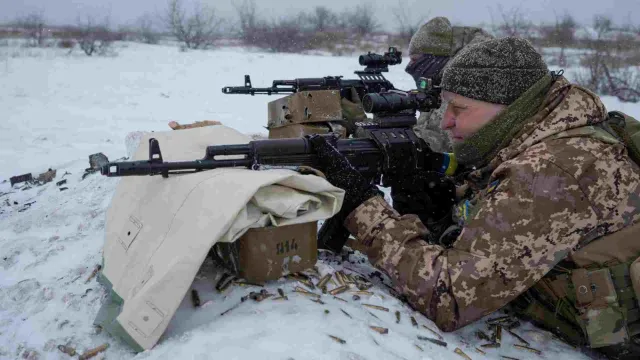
{"x": 459, "y": 11}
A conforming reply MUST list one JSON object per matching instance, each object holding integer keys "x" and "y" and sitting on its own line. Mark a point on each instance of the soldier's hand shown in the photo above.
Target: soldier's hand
{"x": 426, "y": 194}
{"x": 352, "y": 111}
{"x": 341, "y": 173}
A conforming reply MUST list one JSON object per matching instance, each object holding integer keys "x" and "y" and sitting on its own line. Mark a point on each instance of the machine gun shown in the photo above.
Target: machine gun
{"x": 371, "y": 79}
{"x": 388, "y": 148}
{"x": 313, "y": 104}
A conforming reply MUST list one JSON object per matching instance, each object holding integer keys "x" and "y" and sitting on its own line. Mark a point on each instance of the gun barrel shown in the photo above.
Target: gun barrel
{"x": 395, "y": 102}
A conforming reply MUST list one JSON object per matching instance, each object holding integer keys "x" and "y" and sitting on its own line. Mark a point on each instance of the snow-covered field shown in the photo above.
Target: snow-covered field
{"x": 57, "y": 109}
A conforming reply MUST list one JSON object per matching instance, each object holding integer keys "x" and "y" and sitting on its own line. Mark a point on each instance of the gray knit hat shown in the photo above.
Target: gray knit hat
{"x": 496, "y": 71}
{"x": 434, "y": 37}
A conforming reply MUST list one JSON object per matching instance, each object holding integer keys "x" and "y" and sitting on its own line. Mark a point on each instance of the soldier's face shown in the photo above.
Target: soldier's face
{"x": 464, "y": 116}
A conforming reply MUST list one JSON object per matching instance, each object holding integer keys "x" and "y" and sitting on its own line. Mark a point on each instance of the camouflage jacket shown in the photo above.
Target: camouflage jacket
{"x": 428, "y": 124}
{"x": 553, "y": 188}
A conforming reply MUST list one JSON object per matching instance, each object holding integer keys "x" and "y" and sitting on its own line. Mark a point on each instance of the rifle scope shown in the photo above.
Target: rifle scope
{"x": 393, "y": 57}
{"x": 394, "y": 102}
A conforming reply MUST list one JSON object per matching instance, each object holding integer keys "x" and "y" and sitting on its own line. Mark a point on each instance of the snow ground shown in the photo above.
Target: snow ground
{"x": 57, "y": 109}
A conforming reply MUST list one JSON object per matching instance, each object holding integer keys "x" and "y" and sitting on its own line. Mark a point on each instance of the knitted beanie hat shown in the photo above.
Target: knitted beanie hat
{"x": 496, "y": 71}
{"x": 434, "y": 37}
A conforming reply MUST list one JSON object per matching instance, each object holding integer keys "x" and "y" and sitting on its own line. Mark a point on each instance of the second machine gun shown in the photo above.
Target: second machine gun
{"x": 314, "y": 104}
{"x": 387, "y": 149}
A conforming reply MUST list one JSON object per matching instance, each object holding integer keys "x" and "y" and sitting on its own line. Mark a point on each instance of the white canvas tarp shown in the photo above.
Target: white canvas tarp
{"x": 159, "y": 230}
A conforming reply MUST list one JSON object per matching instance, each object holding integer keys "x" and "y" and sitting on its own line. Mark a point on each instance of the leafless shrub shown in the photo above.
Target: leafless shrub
{"x": 144, "y": 30}
{"x": 199, "y": 30}
{"x": 512, "y": 23}
{"x": 322, "y": 19}
{"x": 560, "y": 34}
{"x": 607, "y": 63}
{"x": 406, "y": 20}
{"x": 35, "y": 26}
{"x": 283, "y": 35}
{"x": 95, "y": 38}
{"x": 360, "y": 20}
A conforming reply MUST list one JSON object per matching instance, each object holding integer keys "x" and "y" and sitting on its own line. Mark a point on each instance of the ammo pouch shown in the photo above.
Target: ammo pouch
{"x": 597, "y": 307}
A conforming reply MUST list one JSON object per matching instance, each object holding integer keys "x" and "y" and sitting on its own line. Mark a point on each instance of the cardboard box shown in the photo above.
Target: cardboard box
{"x": 265, "y": 254}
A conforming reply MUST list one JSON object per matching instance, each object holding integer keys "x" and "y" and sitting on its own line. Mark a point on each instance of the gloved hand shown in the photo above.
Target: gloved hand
{"x": 352, "y": 111}
{"x": 342, "y": 174}
{"x": 426, "y": 194}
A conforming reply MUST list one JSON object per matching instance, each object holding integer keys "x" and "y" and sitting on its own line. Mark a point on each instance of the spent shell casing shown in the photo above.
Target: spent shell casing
{"x": 339, "y": 298}
{"x": 280, "y": 292}
{"x": 324, "y": 289}
{"x": 483, "y": 336}
{"x": 356, "y": 297}
{"x": 522, "y": 347}
{"x": 525, "y": 342}
{"x": 490, "y": 346}
{"x": 379, "y": 329}
{"x": 339, "y": 278}
{"x": 512, "y": 325}
{"x": 414, "y": 322}
{"x": 348, "y": 278}
{"x": 508, "y": 357}
{"x": 195, "y": 298}
{"x": 481, "y": 352}
{"x": 364, "y": 286}
{"x": 323, "y": 282}
{"x": 498, "y": 334}
{"x": 397, "y": 317}
{"x": 337, "y": 339}
{"x": 67, "y": 350}
{"x": 307, "y": 283}
{"x": 499, "y": 319}
{"x": 280, "y": 298}
{"x": 346, "y": 313}
{"x": 339, "y": 290}
{"x": 419, "y": 348}
{"x": 362, "y": 292}
{"x": 435, "y": 341}
{"x": 93, "y": 352}
{"x": 461, "y": 353}
{"x": 318, "y": 301}
{"x": 433, "y": 332}
{"x": 300, "y": 290}
{"x": 376, "y": 307}
{"x": 224, "y": 282}
{"x": 93, "y": 273}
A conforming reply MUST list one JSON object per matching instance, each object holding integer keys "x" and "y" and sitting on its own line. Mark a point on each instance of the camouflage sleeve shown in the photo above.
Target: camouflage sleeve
{"x": 516, "y": 234}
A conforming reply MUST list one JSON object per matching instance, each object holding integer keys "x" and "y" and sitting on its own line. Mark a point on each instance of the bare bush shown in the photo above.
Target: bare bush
{"x": 560, "y": 34}
{"x": 607, "y": 62}
{"x": 94, "y": 38}
{"x": 144, "y": 30}
{"x": 360, "y": 20}
{"x": 407, "y": 21}
{"x": 197, "y": 31}
{"x": 35, "y": 26}
{"x": 512, "y": 23}
{"x": 248, "y": 21}
{"x": 283, "y": 35}
{"x": 322, "y": 19}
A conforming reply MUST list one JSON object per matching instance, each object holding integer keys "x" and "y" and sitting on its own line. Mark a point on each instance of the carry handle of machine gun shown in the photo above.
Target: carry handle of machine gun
{"x": 248, "y": 89}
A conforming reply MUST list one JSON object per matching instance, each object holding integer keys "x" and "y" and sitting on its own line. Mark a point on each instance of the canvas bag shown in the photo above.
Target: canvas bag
{"x": 159, "y": 230}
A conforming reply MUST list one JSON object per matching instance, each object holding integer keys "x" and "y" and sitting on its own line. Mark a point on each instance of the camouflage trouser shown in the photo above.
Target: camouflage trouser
{"x": 428, "y": 128}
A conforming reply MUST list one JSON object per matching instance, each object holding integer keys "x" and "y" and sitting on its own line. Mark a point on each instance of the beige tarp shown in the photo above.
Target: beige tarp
{"x": 158, "y": 230}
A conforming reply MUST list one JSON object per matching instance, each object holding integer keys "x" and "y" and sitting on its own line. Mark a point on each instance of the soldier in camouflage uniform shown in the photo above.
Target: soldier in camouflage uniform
{"x": 438, "y": 38}
{"x": 547, "y": 222}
